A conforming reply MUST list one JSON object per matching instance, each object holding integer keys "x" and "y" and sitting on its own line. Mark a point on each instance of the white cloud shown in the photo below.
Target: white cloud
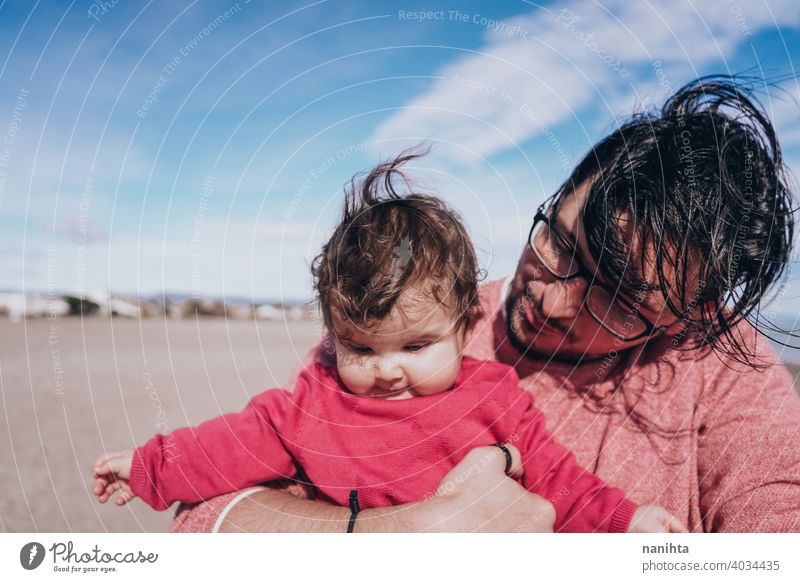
{"x": 575, "y": 55}
{"x": 783, "y": 107}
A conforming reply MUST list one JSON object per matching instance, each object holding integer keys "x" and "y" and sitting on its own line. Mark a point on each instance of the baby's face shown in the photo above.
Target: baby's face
{"x": 415, "y": 351}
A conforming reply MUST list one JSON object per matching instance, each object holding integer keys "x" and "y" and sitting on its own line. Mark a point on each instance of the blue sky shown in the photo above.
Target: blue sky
{"x": 187, "y": 146}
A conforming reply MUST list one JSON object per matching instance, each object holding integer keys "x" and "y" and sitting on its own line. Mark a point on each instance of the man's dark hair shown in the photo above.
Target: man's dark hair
{"x": 704, "y": 183}
{"x": 387, "y": 242}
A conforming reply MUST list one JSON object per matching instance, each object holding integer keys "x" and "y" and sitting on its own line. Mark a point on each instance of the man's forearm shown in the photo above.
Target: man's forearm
{"x": 271, "y": 510}
{"x": 463, "y": 506}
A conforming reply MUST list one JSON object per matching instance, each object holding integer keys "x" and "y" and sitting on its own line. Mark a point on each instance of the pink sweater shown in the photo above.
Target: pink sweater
{"x": 391, "y": 452}
{"x": 721, "y": 452}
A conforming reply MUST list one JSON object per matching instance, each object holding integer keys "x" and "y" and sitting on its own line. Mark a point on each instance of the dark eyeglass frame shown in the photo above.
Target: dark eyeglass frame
{"x": 583, "y": 271}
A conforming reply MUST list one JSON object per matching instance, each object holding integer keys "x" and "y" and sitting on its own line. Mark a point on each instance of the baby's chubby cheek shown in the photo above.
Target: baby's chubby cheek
{"x": 356, "y": 377}
{"x": 436, "y": 376}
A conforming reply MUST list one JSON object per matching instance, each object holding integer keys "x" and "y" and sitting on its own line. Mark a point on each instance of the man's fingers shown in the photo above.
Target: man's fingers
{"x": 493, "y": 456}
{"x": 516, "y": 470}
{"x": 676, "y": 525}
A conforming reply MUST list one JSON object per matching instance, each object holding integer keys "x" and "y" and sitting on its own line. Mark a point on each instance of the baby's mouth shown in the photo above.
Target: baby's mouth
{"x": 377, "y": 392}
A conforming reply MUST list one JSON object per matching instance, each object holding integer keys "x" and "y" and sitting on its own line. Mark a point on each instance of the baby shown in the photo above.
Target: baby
{"x": 398, "y": 405}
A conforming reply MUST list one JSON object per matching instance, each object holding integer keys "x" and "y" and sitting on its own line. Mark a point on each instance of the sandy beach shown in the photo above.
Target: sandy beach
{"x": 92, "y": 385}
{"x": 71, "y": 392}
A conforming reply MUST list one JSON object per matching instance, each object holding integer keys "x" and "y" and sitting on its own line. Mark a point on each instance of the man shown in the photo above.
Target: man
{"x": 631, "y": 320}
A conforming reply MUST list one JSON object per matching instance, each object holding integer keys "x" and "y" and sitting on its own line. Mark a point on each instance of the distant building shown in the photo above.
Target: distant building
{"x": 19, "y": 305}
{"x": 269, "y": 313}
{"x": 240, "y": 311}
{"x": 122, "y": 307}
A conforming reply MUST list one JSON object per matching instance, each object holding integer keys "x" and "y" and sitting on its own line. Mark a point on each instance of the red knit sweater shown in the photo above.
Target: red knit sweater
{"x": 392, "y": 452}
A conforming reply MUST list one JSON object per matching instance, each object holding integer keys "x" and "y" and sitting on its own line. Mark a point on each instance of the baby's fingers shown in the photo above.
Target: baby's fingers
{"x": 118, "y": 463}
{"x": 100, "y": 485}
{"x": 102, "y": 460}
{"x": 109, "y": 489}
{"x": 101, "y": 467}
{"x": 125, "y": 497}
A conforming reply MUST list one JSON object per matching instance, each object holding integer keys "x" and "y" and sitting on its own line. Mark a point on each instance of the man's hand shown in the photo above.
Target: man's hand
{"x": 111, "y": 473}
{"x": 476, "y": 495}
{"x": 655, "y": 519}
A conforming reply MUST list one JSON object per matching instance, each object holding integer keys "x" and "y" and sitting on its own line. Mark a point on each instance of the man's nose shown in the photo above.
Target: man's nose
{"x": 563, "y": 298}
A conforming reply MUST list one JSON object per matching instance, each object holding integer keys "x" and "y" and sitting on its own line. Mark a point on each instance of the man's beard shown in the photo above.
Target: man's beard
{"x": 529, "y": 350}
{"x": 526, "y": 351}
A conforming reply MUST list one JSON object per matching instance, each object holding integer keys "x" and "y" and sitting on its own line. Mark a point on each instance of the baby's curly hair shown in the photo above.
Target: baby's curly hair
{"x": 387, "y": 242}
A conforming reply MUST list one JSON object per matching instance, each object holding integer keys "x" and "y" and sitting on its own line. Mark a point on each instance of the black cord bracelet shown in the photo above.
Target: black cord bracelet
{"x": 507, "y": 453}
{"x": 354, "y": 509}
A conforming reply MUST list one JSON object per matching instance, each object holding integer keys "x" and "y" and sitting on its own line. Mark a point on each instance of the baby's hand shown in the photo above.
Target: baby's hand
{"x": 111, "y": 473}
{"x": 655, "y": 519}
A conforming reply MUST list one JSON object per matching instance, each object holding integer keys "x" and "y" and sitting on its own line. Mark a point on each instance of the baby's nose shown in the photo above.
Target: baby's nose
{"x": 388, "y": 370}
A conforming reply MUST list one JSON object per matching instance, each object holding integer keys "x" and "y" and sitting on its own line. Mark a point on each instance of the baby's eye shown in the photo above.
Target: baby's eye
{"x": 415, "y": 348}
{"x": 362, "y": 350}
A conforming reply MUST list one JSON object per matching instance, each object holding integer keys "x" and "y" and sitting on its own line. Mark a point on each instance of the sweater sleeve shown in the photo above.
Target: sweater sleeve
{"x": 749, "y": 449}
{"x": 583, "y": 502}
{"x": 224, "y": 454}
